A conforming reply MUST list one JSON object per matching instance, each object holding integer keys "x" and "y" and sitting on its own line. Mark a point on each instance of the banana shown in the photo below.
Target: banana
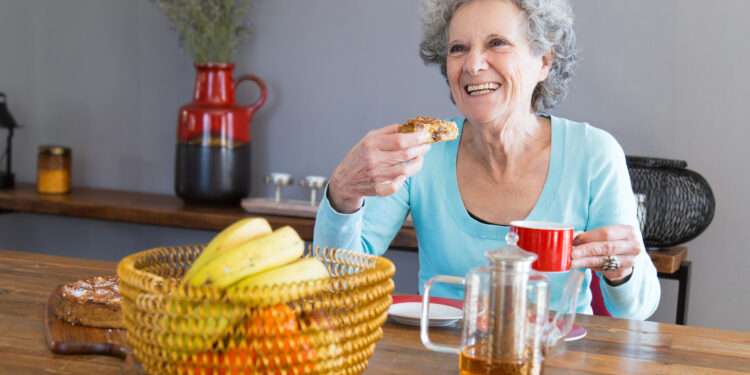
{"x": 272, "y": 250}
{"x": 241, "y": 231}
{"x": 198, "y": 325}
{"x": 301, "y": 270}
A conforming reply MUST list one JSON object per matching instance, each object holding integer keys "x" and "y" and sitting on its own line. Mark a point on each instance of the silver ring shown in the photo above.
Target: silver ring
{"x": 611, "y": 263}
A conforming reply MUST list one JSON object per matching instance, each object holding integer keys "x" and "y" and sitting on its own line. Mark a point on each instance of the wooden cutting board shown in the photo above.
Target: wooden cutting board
{"x": 65, "y": 338}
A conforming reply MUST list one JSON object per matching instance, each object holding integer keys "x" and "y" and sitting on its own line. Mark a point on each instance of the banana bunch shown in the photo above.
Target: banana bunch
{"x": 298, "y": 271}
{"x": 234, "y": 235}
{"x": 248, "y": 253}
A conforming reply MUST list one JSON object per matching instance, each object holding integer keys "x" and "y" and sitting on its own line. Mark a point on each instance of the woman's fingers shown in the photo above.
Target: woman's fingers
{"x": 386, "y": 188}
{"x": 390, "y": 173}
{"x": 608, "y": 233}
{"x": 604, "y": 248}
{"x": 386, "y": 140}
{"x": 594, "y": 248}
{"x": 386, "y": 147}
{"x": 404, "y": 155}
{"x": 596, "y": 262}
{"x": 388, "y": 129}
{"x": 594, "y": 254}
{"x": 377, "y": 165}
{"x": 394, "y": 177}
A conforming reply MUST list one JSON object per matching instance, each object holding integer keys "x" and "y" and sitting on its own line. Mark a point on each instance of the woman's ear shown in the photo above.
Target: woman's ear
{"x": 547, "y": 60}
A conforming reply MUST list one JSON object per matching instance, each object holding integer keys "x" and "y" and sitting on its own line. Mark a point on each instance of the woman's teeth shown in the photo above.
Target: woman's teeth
{"x": 484, "y": 88}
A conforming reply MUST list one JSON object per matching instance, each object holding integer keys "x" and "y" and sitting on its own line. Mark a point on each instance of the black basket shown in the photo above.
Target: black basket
{"x": 675, "y": 204}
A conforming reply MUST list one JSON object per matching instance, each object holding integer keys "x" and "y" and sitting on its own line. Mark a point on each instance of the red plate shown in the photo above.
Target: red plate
{"x": 576, "y": 333}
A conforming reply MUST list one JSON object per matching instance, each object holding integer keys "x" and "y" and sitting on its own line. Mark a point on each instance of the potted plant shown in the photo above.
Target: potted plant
{"x": 213, "y": 132}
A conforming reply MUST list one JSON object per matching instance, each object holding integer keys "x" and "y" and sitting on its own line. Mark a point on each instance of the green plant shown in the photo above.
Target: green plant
{"x": 210, "y": 30}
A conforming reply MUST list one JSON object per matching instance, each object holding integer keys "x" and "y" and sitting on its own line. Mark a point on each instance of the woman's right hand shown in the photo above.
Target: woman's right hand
{"x": 377, "y": 165}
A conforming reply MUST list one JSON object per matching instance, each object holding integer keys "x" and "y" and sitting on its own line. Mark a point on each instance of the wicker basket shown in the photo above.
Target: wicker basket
{"x": 317, "y": 327}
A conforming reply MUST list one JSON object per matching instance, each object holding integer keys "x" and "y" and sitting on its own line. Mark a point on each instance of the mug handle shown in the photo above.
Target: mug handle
{"x": 424, "y": 324}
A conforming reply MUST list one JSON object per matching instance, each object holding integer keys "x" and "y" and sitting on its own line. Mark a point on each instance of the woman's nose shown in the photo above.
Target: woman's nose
{"x": 475, "y": 62}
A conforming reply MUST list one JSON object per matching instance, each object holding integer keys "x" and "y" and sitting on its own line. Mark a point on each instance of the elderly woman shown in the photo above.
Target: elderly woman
{"x": 506, "y": 62}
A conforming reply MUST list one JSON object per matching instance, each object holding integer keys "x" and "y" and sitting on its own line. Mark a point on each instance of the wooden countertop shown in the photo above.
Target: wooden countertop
{"x": 612, "y": 346}
{"x": 149, "y": 208}
{"x": 168, "y": 210}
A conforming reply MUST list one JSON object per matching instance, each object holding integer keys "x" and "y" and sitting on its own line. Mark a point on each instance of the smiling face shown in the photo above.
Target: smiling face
{"x": 491, "y": 69}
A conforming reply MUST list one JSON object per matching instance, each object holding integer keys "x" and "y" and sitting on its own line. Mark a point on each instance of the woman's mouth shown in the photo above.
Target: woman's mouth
{"x": 481, "y": 89}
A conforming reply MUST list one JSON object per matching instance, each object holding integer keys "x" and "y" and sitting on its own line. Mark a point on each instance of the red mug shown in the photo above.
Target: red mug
{"x": 551, "y": 242}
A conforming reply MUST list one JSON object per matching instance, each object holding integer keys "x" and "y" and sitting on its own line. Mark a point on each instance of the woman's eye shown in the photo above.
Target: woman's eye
{"x": 457, "y": 49}
{"x": 497, "y": 43}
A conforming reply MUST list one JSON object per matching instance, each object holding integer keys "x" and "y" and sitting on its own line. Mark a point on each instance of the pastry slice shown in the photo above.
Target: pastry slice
{"x": 439, "y": 131}
{"x": 93, "y": 302}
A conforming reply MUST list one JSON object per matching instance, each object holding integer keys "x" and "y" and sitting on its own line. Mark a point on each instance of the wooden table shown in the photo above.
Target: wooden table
{"x": 612, "y": 346}
{"x": 168, "y": 210}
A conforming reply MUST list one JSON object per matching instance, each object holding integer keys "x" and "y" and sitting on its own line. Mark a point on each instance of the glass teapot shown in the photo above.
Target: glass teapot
{"x": 506, "y": 329}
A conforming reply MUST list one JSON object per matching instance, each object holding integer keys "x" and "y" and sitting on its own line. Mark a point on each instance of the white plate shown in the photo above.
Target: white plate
{"x": 411, "y": 313}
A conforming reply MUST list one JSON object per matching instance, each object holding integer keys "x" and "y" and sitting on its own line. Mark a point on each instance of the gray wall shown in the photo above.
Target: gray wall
{"x": 667, "y": 78}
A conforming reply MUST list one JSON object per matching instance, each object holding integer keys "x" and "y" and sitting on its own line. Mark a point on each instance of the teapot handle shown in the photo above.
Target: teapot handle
{"x": 424, "y": 324}
{"x": 263, "y": 92}
{"x": 559, "y": 327}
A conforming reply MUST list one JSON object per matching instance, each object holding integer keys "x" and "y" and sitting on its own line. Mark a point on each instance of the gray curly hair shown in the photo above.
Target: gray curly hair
{"x": 549, "y": 26}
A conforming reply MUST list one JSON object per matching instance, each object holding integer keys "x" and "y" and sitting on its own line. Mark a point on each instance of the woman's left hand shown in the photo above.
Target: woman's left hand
{"x": 592, "y": 249}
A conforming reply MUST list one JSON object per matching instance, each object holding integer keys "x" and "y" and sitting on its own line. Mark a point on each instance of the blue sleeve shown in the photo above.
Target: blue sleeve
{"x": 370, "y": 229}
{"x": 612, "y": 202}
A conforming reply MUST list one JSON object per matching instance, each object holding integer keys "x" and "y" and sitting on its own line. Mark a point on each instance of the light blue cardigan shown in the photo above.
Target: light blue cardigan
{"x": 587, "y": 185}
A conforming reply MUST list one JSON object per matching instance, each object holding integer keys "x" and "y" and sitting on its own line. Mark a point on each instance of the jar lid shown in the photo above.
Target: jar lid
{"x": 54, "y": 150}
{"x": 511, "y": 257}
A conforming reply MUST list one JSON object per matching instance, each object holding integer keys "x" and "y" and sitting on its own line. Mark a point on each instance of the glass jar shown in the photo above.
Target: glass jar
{"x": 53, "y": 170}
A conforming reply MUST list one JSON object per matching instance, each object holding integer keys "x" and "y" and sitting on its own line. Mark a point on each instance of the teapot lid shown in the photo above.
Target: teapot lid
{"x": 511, "y": 257}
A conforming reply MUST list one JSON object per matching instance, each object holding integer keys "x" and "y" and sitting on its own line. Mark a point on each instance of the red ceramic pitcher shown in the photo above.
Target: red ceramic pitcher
{"x": 213, "y": 138}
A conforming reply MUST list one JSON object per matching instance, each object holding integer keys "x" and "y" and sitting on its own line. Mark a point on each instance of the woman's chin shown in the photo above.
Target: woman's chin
{"x": 481, "y": 111}
{"x": 493, "y": 113}
{"x": 485, "y": 117}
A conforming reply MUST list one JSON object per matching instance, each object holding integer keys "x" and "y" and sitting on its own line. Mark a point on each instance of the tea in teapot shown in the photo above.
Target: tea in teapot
{"x": 506, "y": 329}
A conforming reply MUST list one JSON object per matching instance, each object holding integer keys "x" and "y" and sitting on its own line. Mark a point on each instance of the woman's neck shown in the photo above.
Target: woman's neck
{"x": 506, "y": 146}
